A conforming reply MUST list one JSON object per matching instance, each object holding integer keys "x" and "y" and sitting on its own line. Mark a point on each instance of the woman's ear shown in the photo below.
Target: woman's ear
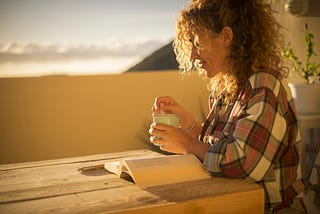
{"x": 227, "y": 36}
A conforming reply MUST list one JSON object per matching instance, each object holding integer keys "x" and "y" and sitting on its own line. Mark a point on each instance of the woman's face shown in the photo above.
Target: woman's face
{"x": 211, "y": 52}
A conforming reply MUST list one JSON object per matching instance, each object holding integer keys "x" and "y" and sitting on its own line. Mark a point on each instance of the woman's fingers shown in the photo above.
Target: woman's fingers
{"x": 156, "y": 128}
{"x": 160, "y": 129}
{"x": 163, "y": 104}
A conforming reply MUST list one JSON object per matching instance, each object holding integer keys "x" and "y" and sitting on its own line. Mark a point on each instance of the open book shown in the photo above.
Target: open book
{"x": 155, "y": 171}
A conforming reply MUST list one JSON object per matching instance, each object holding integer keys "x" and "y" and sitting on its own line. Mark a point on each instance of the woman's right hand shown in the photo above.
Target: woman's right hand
{"x": 167, "y": 105}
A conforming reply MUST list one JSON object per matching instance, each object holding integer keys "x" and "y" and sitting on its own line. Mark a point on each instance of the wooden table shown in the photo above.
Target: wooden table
{"x": 56, "y": 186}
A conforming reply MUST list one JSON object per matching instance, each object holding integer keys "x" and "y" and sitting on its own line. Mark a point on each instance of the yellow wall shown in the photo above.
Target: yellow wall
{"x": 63, "y": 116}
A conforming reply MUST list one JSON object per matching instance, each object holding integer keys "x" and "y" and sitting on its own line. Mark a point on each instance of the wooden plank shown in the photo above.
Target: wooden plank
{"x": 58, "y": 174}
{"x": 237, "y": 203}
{"x": 131, "y": 199}
{"x": 82, "y": 159}
{"x": 201, "y": 196}
{"x": 86, "y": 202}
{"x": 215, "y": 186}
{"x": 46, "y": 205}
{"x": 61, "y": 189}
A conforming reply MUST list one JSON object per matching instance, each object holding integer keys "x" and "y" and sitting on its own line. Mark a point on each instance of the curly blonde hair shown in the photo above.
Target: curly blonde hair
{"x": 256, "y": 43}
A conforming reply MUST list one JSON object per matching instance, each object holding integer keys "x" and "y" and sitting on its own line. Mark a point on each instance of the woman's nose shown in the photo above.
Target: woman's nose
{"x": 194, "y": 53}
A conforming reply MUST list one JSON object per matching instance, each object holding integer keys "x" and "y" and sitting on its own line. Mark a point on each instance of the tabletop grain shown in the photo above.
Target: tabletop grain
{"x": 57, "y": 186}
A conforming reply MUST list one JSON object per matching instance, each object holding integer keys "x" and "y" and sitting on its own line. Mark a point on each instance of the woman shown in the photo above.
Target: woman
{"x": 251, "y": 130}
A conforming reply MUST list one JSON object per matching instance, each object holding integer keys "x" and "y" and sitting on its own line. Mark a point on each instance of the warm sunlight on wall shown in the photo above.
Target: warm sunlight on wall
{"x": 61, "y": 116}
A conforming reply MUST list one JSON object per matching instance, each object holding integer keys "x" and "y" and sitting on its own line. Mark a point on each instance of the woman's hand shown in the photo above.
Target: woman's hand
{"x": 168, "y": 105}
{"x": 171, "y": 139}
{"x": 177, "y": 140}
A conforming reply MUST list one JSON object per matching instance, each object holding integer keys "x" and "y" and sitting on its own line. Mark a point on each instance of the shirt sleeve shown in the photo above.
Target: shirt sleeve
{"x": 255, "y": 141}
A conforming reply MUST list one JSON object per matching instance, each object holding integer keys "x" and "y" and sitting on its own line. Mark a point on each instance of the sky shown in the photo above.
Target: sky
{"x": 74, "y": 37}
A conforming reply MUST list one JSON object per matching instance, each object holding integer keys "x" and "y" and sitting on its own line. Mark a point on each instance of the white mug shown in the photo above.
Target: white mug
{"x": 169, "y": 119}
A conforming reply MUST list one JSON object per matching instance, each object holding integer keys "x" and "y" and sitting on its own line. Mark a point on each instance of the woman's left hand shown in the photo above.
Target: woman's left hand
{"x": 172, "y": 139}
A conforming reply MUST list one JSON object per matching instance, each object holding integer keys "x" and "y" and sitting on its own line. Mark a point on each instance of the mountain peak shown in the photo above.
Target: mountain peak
{"x": 162, "y": 59}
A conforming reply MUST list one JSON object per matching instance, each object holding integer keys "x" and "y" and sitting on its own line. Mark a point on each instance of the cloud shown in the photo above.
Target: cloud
{"x": 26, "y": 52}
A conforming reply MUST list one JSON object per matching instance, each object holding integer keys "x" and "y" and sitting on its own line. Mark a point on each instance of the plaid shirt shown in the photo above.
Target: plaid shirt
{"x": 257, "y": 138}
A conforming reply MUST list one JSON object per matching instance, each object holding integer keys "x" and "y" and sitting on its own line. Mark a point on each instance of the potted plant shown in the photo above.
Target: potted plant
{"x": 306, "y": 94}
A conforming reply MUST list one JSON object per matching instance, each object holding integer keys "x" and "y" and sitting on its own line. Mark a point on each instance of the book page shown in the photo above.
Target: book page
{"x": 156, "y": 171}
{"x": 113, "y": 167}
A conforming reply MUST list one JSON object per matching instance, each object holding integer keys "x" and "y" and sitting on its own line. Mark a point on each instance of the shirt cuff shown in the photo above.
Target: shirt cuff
{"x": 212, "y": 161}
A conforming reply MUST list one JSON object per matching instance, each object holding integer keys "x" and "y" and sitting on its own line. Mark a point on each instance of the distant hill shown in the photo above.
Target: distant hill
{"x": 162, "y": 59}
